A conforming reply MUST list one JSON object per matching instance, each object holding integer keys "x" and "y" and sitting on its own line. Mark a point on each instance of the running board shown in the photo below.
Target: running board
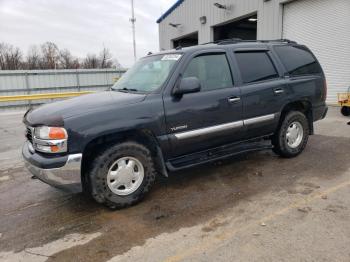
{"x": 217, "y": 153}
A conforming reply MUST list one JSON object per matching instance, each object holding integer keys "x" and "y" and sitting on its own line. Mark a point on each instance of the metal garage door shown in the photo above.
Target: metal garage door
{"x": 324, "y": 26}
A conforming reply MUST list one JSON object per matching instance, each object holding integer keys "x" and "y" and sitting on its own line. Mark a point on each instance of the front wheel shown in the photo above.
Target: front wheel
{"x": 121, "y": 175}
{"x": 345, "y": 110}
{"x": 292, "y": 136}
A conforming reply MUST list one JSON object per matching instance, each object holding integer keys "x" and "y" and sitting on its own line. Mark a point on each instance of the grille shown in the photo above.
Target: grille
{"x": 29, "y": 135}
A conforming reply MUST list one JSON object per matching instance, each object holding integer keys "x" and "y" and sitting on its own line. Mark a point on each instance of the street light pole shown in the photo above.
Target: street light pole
{"x": 133, "y": 20}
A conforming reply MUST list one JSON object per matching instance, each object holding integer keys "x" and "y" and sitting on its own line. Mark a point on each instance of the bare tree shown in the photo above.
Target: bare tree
{"x": 116, "y": 64}
{"x": 50, "y": 55}
{"x": 66, "y": 59}
{"x": 2, "y": 56}
{"x": 10, "y": 57}
{"x": 33, "y": 58}
{"x": 76, "y": 64}
{"x": 91, "y": 61}
{"x": 105, "y": 58}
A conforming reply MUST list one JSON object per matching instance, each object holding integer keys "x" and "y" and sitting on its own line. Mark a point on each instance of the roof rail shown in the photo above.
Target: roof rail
{"x": 238, "y": 40}
{"x": 223, "y": 40}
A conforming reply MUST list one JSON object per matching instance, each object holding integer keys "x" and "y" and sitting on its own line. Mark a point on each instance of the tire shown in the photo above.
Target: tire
{"x": 345, "y": 110}
{"x": 289, "y": 127}
{"x": 105, "y": 179}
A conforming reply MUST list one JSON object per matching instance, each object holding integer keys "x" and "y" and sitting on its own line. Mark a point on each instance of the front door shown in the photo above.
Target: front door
{"x": 210, "y": 117}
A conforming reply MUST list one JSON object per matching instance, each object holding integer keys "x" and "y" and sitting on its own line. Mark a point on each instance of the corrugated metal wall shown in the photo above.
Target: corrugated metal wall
{"x": 22, "y": 82}
{"x": 325, "y": 29}
{"x": 188, "y": 13}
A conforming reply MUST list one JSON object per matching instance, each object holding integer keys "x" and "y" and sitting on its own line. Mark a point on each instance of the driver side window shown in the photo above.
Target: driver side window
{"x": 212, "y": 70}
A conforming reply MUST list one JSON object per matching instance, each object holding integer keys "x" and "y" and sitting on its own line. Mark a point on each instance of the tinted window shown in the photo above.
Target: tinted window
{"x": 255, "y": 66}
{"x": 298, "y": 60}
{"x": 212, "y": 70}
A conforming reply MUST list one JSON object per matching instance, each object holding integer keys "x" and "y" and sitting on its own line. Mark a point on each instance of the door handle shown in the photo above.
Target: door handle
{"x": 279, "y": 90}
{"x": 234, "y": 99}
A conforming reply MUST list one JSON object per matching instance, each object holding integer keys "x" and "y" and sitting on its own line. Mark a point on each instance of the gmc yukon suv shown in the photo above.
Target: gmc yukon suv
{"x": 174, "y": 110}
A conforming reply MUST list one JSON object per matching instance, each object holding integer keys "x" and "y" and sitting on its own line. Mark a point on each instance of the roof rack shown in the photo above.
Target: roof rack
{"x": 238, "y": 40}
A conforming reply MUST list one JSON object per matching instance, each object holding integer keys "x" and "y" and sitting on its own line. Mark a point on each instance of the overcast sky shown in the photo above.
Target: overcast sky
{"x": 83, "y": 26}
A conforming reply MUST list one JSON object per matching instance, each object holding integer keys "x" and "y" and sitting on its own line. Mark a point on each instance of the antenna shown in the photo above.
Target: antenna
{"x": 133, "y": 20}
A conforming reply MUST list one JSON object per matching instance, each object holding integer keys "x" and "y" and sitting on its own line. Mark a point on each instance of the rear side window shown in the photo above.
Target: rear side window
{"x": 298, "y": 60}
{"x": 255, "y": 66}
{"x": 212, "y": 70}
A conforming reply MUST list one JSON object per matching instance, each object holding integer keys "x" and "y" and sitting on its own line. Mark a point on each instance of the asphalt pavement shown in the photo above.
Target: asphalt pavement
{"x": 254, "y": 207}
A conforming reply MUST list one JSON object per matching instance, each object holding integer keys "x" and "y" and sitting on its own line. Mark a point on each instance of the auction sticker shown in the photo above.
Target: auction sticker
{"x": 174, "y": 57}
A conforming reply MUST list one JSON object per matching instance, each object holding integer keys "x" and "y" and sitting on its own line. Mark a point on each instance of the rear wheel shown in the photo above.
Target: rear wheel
{"x": 292, "y": 136}
{"x": 121, "y": 175}
{"x": 345, "y": 110}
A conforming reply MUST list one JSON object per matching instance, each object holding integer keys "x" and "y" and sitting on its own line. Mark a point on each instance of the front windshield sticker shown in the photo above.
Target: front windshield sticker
{"x": 174, "y": 57}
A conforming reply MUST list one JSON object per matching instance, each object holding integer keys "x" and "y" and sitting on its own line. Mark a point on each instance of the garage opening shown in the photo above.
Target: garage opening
{"x": 185, "y": 41}
{"x": 244, "y": 29}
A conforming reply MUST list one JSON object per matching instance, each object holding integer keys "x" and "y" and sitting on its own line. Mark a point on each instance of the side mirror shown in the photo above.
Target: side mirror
{"x": 187, "y": 85}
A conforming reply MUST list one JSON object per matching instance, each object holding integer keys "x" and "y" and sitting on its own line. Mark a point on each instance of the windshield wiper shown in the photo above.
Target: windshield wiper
{"x": 124, "y": 89}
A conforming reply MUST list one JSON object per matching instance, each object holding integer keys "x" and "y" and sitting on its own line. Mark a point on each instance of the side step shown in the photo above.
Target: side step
{"x": 216, "y": 153}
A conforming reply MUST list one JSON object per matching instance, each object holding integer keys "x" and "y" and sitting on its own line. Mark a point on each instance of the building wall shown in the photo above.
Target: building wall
{"x": 323, "y": 25}
{"x": 325, "y": 29}
{"x": 187, "y": 14}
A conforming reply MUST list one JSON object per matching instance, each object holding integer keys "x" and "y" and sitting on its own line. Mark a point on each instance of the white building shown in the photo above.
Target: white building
{"x": 322, "y": 25}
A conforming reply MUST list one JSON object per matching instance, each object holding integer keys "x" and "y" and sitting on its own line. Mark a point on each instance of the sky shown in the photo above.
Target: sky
{"x": 83, "y": 26}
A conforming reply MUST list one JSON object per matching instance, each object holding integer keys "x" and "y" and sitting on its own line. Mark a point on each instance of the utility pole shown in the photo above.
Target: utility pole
{"x": 133, "y": 20}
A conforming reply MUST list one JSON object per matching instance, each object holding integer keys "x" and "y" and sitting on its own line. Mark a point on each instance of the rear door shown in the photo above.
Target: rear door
{"x": 208, "y": 118}
{"x": 263, "y": 91}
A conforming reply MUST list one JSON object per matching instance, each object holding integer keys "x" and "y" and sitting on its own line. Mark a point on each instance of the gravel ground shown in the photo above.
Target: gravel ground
{"x": 255, "y": 207}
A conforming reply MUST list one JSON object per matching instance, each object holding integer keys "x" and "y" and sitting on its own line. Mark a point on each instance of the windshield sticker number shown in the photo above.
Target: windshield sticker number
{"x": 174, "y": 57}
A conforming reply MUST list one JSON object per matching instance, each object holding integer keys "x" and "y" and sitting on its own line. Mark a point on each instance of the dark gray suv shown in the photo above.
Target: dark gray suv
{"x": 174, "y": 110}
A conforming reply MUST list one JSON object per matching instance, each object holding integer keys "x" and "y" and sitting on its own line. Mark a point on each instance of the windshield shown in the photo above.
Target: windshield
{"x": 148, "y": 74}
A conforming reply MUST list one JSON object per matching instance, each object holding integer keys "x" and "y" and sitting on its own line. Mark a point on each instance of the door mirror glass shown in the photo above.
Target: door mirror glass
{"x": 188, "y": 85}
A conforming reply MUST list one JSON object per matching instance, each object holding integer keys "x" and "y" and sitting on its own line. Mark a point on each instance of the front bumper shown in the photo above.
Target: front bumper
{"x": 62, "y": 172}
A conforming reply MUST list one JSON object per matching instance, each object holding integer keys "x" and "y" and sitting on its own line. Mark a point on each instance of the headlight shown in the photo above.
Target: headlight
{"x": 45, "y": 132}
{"x": 50, "y": 139}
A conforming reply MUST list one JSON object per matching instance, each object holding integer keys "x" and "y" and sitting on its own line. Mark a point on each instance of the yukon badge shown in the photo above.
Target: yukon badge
{"x": 177, "y": 128}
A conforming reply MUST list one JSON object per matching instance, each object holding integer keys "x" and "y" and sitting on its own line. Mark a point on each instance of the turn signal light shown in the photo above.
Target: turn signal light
{"x": 54, "y": 149}
{"x": 57, "y": 133}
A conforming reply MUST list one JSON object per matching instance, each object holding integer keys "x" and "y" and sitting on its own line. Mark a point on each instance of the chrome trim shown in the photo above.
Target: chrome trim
{"x": 67, "y": 177}
{"x": 222, "y": 127}
{"x": 45, "y": 142}
{"x": 234, "y": 99}
{"x": 279, "y": 91}
{"x": 259, "y": 119}
{"x": 209, "y": 130}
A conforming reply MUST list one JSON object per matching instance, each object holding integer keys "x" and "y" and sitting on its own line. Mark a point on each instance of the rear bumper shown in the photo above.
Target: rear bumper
{"x": 60, "y": 172}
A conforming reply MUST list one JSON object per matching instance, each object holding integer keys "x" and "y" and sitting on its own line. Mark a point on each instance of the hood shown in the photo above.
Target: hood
{"x": 55, "y": 113}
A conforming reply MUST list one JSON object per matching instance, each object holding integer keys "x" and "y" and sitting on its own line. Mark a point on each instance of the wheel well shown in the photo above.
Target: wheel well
{"x": 302, "y": 106}
{"x": 143, "y": 137}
